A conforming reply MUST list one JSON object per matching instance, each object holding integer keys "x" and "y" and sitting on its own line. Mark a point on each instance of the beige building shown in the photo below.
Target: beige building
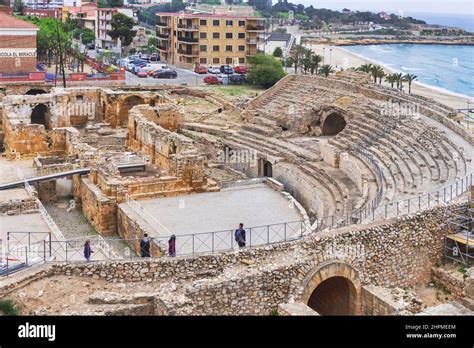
{"x": 187, "y": 40}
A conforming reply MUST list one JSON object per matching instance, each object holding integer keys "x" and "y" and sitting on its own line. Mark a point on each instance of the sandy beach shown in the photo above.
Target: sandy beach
{"x": 339, "y": 57}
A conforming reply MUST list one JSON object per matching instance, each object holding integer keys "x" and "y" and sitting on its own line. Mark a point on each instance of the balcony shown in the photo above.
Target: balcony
{"x": 162, "y": 48}
{"x": 255, "y": 28}
{"x": 253, "y": 52}
{"x": 254, "y": 41}
{"x": 163, "y": 36}
{"x": 188, "y": 52}
{"x": 162, "y": 24}
{"x": 188, "y": 39}
{"x": 188, "y": 27}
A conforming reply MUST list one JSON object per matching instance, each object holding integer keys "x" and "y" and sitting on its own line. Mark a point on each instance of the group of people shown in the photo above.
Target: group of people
{"x": 145, "y": 244}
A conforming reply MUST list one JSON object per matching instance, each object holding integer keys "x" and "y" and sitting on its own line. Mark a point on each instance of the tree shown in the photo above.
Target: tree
{"x": 266, "y": 70}
{"x": 326, "y": 70}
{"x": 298, "y": 54}
{"x": 109, "y": 3}
{"x": 122, "y": 26}
{"x": 88, "y": 36}
{"x": 391, "y": 78}
{"x": 409, "y": 78}
{"x": 153, "y": 41}
{"x": 367, "y": 68}
{"x": 398, "y": 80}
{"x": 377, "y": 73}
{"x": 18, "y": 6}
{"x": 278, "y": 52}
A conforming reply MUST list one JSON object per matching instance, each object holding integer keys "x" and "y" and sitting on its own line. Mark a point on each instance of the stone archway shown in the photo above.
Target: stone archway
{"x": 35, "y": 91}
{"x": 333, "y": 124}
{"x": 125, "y": 106}
{"x": 40, "y": 115}
{"x": 333, "y": 288}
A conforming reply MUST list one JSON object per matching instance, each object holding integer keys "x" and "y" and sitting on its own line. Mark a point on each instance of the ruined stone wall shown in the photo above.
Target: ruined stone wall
{"x": 19, "y": 206}
{"x": 100, "y": 210}
{"x": 395, "y": 253}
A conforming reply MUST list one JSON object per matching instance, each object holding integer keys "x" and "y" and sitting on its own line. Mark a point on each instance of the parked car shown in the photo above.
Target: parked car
{"x": 144, "y": 56}
{"x": 154, "y": 57}
{"x": 213, "y": 70}
{"x": 142, "y": 73}
{"x": 200, "y": 69}
{"x": 211, "y": 80}
{"x": 237, "y": 79}
{"x": 225, "y": 69}
{"x": 240, "y": 69}
{"x": 223, "y": 78}
{"x": 165, "y": 74}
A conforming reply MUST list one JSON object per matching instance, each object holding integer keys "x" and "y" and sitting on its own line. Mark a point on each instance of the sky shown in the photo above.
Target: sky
{"x": 394, "y": 6}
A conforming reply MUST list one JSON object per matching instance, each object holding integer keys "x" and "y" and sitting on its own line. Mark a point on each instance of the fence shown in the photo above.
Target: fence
{"x": 160, "y": 229}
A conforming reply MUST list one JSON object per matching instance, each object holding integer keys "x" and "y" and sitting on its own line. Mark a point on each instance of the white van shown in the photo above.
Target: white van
{"x": 155, "y": 67}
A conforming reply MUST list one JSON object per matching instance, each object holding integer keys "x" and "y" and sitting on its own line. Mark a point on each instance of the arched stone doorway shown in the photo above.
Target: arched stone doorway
{"x": 35, "y": 91}
{"x": 40, "y": 115}
{"x": 333, "y": 288}
{"x": 334, "y": 296}
{"x": 126, "y": 105}
{"x": 333, "y": 124}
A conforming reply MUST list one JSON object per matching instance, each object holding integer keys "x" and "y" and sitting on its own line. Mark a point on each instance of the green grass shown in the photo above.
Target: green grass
{"x": 8, "y": 307}
{"x": 274, "y": 312}
{"x": 235, "y": 90}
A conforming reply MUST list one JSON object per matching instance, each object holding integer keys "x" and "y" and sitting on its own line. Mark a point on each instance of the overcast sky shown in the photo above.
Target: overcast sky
{"x": 414, "y": 6}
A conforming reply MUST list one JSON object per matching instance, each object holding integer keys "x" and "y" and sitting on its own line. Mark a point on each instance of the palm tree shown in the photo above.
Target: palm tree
{"x": 398, "y": 80}
{"x": 326, "y": 70}
{"x": 409, "y": 78}
{"x": 391, "y": 78}
{"x": 367, "y": 68}
{"x": 377, "y": 72}
{"x": 381, "y": 74}
{"x": 315, "y": 60}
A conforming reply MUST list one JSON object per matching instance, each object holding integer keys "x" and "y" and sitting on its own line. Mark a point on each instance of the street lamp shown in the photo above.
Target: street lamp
{"x": 330, "y": 51}
{"x": 324, "y": 55}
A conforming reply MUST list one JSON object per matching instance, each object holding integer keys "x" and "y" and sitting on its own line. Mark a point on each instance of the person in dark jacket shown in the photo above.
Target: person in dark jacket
{"x": 172, "y": 246}
{"x": 145, "y": 246}
{"x": 240, "y": 235}
{"x": 87, "y": 250}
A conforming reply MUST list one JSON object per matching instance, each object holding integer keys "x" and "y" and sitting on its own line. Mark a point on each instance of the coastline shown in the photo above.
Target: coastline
{"x": 341, "y": 57}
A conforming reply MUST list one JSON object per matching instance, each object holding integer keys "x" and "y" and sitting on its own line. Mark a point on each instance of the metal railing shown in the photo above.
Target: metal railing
{"x": 141, "y": 211}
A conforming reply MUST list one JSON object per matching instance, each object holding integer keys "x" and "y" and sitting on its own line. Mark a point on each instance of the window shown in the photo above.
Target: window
{"x": 229, "y": 23}
{"x": 241, "y": 48}
{"x": 216, "y": 22}
{"x": 241, "y": 23}
{"x": 228, "y": 48}
{"x": 228, "y": 61}
{"x": 216, "y": 35}
{"x": 203, "y": 35}
{"x": 202, "y": 22}
{"x": 215, "y": 48}
{"x": 216, "y": 61}
{"x": 241, "y": 60}
{"x": 203, "y": 48}
{"x": 228, "y": 35}
{"x": 79, "y": 98}
{"x": 203, "y": 60}
{"x": 241, "y": 35}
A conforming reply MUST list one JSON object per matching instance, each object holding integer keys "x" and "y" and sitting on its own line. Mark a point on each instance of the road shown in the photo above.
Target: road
{"x": 187, "y": 77}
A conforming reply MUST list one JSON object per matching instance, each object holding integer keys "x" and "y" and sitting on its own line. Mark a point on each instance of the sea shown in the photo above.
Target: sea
{"x": 449, "y": 68}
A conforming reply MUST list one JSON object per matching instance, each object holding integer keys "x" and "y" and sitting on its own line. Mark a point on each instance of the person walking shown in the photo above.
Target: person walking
{"x": 87, "y": 250}
{"x": 240, "y": 235}
{"x": 145, "y": 246}
{"x": 172, "y": 246}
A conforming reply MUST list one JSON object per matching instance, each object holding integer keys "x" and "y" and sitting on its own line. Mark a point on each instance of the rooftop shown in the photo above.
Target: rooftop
{"x": 206, "y": 15}
{"x": 10, "y": 22}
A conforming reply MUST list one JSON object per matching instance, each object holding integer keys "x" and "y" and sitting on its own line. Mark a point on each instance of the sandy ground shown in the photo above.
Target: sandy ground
{"x": 342, "y": 58}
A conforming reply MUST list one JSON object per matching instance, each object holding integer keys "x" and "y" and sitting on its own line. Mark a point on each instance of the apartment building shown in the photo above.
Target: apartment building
{"x": 190, "y": 39}
{"x": 102, "y": 24}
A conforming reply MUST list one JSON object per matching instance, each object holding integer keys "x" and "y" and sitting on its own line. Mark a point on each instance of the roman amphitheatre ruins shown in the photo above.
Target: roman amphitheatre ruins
{"x": 354, "y": 198}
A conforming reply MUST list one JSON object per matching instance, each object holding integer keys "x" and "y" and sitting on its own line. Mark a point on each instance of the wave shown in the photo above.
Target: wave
{"x": 411, "y": 69}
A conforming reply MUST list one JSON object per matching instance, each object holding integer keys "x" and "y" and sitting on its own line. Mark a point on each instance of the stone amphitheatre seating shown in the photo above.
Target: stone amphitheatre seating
{"x": 327, "y": 174}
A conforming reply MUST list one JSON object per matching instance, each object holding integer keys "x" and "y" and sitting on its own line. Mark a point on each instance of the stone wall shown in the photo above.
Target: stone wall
{"x": 19, "y": 206}
{"x": 396, "y": 253}
{"x": 451, "y": 280}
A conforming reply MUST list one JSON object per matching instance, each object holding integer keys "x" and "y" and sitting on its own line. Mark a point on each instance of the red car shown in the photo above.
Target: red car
{"x": 200, "y": 69}
{"x": 142, "y": 73}
{"x": 211, "y": 80}
{"x": 240, "y": 69}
